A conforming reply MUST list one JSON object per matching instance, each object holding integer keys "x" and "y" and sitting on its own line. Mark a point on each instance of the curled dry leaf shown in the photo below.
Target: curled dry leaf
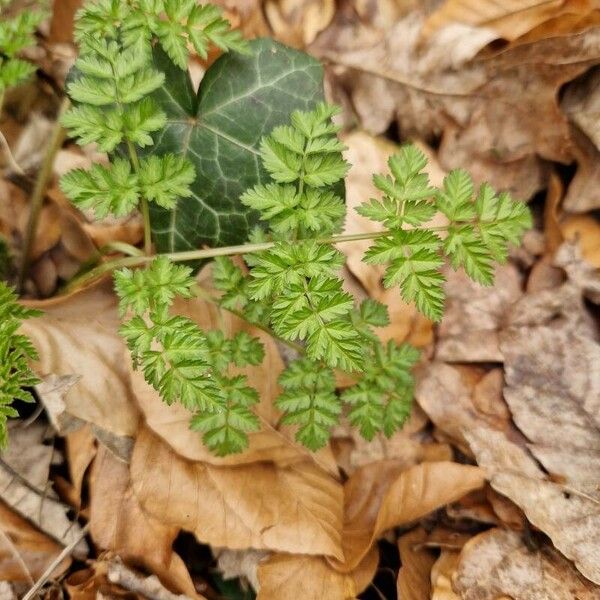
{"x": 312, "y": 578}
{"x": 570, "y": 517}
{"x": 498, "y": 564}
{"x": 489, "y": 109}
{"x": 118, "y": 523}
{"x": 382, "y": 495}
{"x": 509, "y": 19}
{"x": 414, "y": 575}
{"x": 258, "y": 505}
{"x": 77, "y": 335}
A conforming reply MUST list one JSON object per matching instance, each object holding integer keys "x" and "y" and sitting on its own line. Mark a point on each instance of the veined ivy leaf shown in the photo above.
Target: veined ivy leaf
{"x": 241, "y": 98}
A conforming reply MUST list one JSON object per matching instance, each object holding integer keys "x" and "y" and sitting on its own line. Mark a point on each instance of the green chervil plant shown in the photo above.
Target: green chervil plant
{"x": 16, "y": 34}
{"x": 282, "y": 206}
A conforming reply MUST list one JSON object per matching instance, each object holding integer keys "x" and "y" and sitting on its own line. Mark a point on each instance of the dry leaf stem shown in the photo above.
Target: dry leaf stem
{"x": 37, "y": 197}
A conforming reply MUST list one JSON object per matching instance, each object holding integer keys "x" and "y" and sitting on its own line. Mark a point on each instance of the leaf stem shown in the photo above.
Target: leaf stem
{"x": 192, "y": 255}
{"x": 57, "y": 138}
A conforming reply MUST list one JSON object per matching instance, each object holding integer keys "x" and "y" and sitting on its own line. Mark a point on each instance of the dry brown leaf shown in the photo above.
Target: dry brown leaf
{"x": 441, "y": 576}
{"x": 585, "y": 230}
{"x": 80, "y": 449}
{"x": 584, "y": 277}
{"x": 119, "y": 524}
{"x": 259, "y": 505}
{"x": 414, "y": 575}
{"x": 458, "y": 398}
{"x": 498, "y": 564}
{"x": 552, "y": 377}
{"x": 474, "y": 315}
{"x": 570, "y": 517}
{"x": 510, "y": 19}
{"x": 382, "y": 495}
{"x": 298, "y": 22}
{"x": 24, "y": 486}
{"x": 494, "y": 112}
{"x": 25, "y": 552}
{"x": 77, "y": 335}
{"x": 312, "y": 578}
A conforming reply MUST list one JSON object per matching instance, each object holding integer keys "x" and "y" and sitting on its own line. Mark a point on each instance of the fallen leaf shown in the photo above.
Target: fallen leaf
{"x": 570, "y": 517}
{"x": 497, "y": 564}
{"x": 80, "y": 449}
{"x": 25, "y": 552}
{"x": 77, "y": 335}
{"x": 474, "y": 316}
{"x": 414, "y": 575}
{"x": 260, "y": 505}
{"x": 441, "y": 576}
{"x": 459, "y": 398}
{"x": 312, "y": 578}
{"x": 298, "y": 22}
{"x": 552, "y": 375}
{"x": 118, "y": 523}
{"x": 382, "y": 495}
{"x": 24, "y": 487}
{"x": 488, "y": 108}
{"x": 510, "y": 19}
{"x": 584, "y": 277}
{"x": 585, "y": 230}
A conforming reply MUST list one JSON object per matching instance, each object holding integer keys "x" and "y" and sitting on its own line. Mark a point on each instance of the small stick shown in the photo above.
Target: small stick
{"x": 48, "y": 572}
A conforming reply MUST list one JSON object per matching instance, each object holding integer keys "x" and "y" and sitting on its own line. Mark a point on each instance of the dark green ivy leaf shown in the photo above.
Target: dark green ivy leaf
{"x": 241, "y": 99}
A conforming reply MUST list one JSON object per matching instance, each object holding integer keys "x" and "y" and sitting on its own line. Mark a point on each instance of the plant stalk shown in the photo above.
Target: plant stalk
{"x": 191, "y": 255}
{"x": 57, "y": 138}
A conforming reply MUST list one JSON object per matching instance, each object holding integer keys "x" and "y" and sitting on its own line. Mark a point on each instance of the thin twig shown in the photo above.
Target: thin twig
{"x": 39, "y": 190}
{"x": 48, "y": 572}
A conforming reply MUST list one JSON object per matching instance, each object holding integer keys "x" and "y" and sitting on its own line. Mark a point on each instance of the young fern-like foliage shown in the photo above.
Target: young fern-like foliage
{"x": 16, "y": 35}
{"x": 183, "y": 363}
{"x": 16, "y": 350}
{"x": 478, "y": 233}
{"x": 290, "y": 284}
{"x": 112, "y": 87}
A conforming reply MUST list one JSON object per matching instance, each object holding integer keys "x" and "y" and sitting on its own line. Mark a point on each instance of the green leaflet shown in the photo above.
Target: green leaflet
{"x": 241, "y": 99}
{"x": 16, "y": 351}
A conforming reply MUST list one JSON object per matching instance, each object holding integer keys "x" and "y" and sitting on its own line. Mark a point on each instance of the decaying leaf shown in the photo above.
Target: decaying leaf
{"x": 570, "y": 517}
{"x": 459, "y": 398}
{"x": 381, "y": 495}
{"x": 119, "y": 524}
{"x": 498, "y": 564}
{"x": 414, "y": 581}
{"x": 312, "y": 578}
{"x": 474, "y": 316}
{"x": 77, "y": 335}
{"x": 259, "y": 505}
{"x": 24, "y": 485}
